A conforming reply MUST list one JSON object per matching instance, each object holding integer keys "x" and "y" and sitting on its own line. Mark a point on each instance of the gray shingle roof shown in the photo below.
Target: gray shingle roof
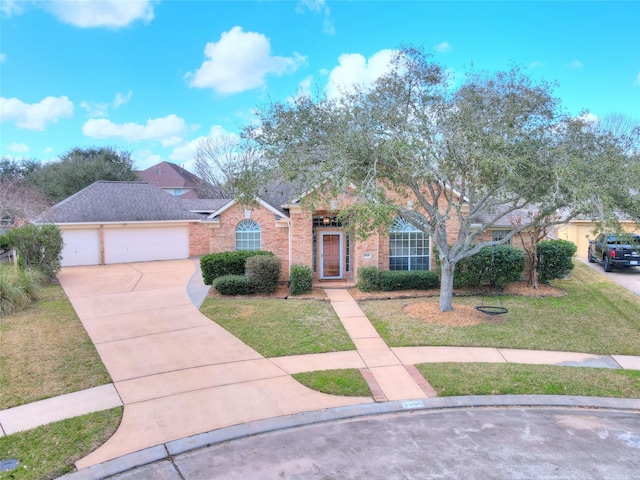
{"x": 118, "y": 202}
{"x": 168, "y": 175}
{"x": 209, "y": 205}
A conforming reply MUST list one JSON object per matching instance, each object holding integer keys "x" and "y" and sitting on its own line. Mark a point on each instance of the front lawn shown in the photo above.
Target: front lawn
{"x": 453, "y": 379}
{"x": 45, "y": 351}
{"x": 277, "y": 327}
{"x": 596, "y": 316}
{"x": 51, "y": 450}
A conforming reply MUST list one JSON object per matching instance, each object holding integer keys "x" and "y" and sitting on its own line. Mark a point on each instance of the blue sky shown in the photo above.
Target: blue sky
{"x": 154, "y": 77}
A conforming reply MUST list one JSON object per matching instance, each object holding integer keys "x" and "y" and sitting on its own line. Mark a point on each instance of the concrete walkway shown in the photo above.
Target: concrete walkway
{"x": 178, "y": 374}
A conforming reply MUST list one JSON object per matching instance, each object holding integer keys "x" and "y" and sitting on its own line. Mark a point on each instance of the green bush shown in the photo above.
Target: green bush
{"x": 368, "y": 279}
{"x": 301, "y": 279}
{"x": 391, "y": 280}
{"x": 4, "y": 243}
{"x": 217, "y": 265}
{"x": 493, "y": 266}
{"x": 263, "y": 273}
{"x": 18, "y": 288}
{"x": 554, "y": 259}
{"x": 233, "y": 285}
{"x": 38, "y": 246}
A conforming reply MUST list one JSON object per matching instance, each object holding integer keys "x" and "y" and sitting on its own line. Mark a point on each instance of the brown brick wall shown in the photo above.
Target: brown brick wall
{"x": 274, "y": 238}
{"x": 199, "y": 241}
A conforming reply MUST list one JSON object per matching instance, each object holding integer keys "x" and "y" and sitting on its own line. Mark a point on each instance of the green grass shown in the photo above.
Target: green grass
{"x": 596, "y": 316}
{"x": 453, "y": 379}
{"x": 45, "y": 351}
{"x": 347, "y": 382}
{"x": 51, "y": 450}
{"x": 276, "y": 327}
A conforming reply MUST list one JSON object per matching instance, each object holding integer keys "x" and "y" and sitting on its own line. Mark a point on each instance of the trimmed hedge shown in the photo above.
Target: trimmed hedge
{"x": 263, "y": 273}
{"x": 301, "y": 279}
{"x": 391, "y": 280}
{"x": 493, "y": 266}
{"x": 217, "y": 265}
{"x": 368, "y": 279}
{"x": 233, "y": 285}
{"x": 554, "y": 259}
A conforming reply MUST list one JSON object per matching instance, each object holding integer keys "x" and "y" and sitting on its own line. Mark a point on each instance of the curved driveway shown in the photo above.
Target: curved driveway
{"x": 177, "y": 372}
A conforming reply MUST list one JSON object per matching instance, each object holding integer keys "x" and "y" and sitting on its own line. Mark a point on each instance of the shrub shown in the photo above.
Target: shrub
{"x": 38, "y": 246}
{"x": 233, "y": 285}
{"x": 554, "y": 259}
{"x": 493, "y": 266}
{"x": 18, "y": 288}
{"x": 391, "y": 280}
{"x": 368, "y": 279}
{"x": 217, "y": 265}
{"x": 4, "y": 243}
{"x": 263, "y": 273}
{"x": 301, "y": 279}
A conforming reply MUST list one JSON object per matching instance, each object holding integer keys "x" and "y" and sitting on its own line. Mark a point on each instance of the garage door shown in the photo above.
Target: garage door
{"x": 124, "y": 245}
{"x": 81, "y": 247}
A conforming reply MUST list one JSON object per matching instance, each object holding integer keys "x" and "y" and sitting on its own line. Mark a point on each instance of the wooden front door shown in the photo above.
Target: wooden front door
{"x": 331, "y": 254}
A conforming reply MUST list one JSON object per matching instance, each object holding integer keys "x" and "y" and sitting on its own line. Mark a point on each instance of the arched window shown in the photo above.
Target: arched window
{"x": 248, "y": 235}
{"x": 408, "y": 247}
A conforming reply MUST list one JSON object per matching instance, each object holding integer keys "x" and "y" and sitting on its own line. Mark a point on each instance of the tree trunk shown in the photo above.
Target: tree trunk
{"x": 533, "y": 267}
{"x": 446, "y": 286}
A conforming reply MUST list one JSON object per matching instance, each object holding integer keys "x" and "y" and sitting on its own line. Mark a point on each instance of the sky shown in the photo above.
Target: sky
{"x": 156, "y": 77}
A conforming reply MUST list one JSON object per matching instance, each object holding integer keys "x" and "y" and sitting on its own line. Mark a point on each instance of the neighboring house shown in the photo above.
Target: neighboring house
{"x": 580, "y": 231}
{"x": 115, "y": 222}
{"x": 172, "y": 179}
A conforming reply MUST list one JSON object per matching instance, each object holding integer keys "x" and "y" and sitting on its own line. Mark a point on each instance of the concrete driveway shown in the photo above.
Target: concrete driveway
{"x": 177, "y": 373}
{"x": 629, "y": 278}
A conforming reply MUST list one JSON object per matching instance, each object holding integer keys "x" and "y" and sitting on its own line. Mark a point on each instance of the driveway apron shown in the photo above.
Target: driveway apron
{"x": 177, "y": 372}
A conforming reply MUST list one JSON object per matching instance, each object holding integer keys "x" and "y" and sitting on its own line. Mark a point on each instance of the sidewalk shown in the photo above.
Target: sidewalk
{"x": 178, "y": 374}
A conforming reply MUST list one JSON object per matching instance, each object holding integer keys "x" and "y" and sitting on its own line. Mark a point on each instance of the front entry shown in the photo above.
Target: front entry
{"x": 331, "y": 255}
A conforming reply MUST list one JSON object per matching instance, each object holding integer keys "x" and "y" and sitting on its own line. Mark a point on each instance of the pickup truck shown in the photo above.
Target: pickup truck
{"x": 612, "y": 251}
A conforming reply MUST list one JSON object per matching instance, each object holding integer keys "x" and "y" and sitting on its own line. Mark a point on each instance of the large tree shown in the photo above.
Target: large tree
{"x": 19, "y": 199}
{"x": 495, "y": 145}
{"x": 79, "y": 168}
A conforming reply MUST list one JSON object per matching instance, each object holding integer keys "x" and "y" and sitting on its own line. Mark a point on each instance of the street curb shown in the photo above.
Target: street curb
{"x": 195, "y": 442}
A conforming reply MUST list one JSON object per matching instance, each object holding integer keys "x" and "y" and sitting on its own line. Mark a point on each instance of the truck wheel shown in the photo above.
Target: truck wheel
{"x": 590, "y": 258}
{"x": 606, "y": 265}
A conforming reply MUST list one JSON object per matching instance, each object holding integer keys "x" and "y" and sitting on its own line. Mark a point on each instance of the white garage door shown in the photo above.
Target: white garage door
{"x": 124, "y": 245}
{"x": 81, "y": 247}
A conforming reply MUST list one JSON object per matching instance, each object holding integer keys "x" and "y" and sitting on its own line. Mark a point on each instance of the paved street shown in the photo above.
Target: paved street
{"x": 478, "y": 443}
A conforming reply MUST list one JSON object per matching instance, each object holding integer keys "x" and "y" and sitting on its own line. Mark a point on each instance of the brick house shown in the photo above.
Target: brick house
{"x": 117, "y": 222}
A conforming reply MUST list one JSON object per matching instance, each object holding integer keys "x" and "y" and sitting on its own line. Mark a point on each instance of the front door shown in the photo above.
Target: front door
{"x": 331, "y": 255}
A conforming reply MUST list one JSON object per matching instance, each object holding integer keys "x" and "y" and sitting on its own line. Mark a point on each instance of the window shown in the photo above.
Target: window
{"x": 498, "y": 235}
{"x": 248, "y": 235}
{"x": 408, "y": 247}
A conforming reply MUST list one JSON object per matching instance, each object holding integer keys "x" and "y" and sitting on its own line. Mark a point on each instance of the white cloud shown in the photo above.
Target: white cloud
{"x": 240, "y": 61}
{"x": 144, "y": 158}
{"x": 3, "y": 57}
{"x": 121, "y": 99}
{"x": 94, "y": 109}
{"x": 536, "y": 64}
{"x": 103, "y": 13}
{"x": 589, "y": 118}
{"x": 35, "y": 116}
{"x": 575, "y": 64}
{"x": 637, "y": 80}
{"x": 318, "y": 6}
{"x": 355, "y": 69}
{"x": 18, "y": 147}
{"x": 165, "y": 129}
{"x": 11, "y": 7}
{"x": 443, "y": 47}
{"x": 187, "y": 151}
{"x": 48, "y": 150}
